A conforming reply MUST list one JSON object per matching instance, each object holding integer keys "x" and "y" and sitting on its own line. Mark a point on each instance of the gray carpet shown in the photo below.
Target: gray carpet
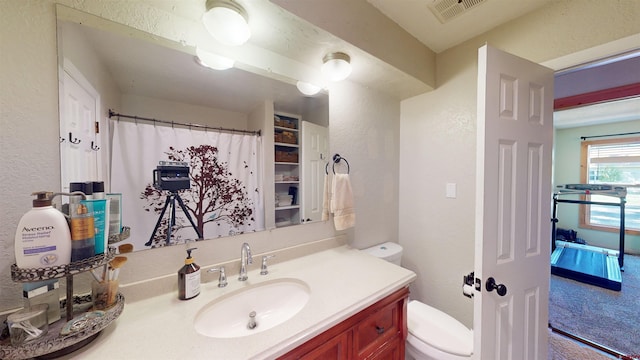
{"x": 562, "y": 348}
{"x": 610, "y": 318}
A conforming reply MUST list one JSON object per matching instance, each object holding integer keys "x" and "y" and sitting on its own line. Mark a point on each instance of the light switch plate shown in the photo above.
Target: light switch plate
{"x": 451, "y": 190}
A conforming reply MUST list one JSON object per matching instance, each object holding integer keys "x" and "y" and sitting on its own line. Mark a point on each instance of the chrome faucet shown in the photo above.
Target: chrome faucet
{"x": 222, "y": 280}
{"x": 245, "y": 259}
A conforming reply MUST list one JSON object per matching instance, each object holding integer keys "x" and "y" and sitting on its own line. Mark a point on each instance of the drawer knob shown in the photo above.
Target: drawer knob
{"x": 379, "y": 329}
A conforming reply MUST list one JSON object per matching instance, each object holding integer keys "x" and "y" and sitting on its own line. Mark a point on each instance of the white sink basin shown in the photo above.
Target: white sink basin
{"x": 274, "y": 302}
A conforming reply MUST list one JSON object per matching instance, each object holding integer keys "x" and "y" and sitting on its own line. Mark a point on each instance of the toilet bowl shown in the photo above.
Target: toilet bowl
{"x": 433, "y": 335}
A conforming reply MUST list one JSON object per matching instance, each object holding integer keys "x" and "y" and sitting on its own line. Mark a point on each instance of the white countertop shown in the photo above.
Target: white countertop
{"x": 342, "y": 280}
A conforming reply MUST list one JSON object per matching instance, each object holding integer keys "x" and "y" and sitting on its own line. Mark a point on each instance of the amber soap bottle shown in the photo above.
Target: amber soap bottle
{"x": 189, "y": 278}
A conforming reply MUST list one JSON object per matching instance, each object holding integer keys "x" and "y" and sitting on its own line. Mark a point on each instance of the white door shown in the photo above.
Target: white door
{"x": 314, "y": 156}
{"x": 515, "y": 136}
{"x": 79, "y": 145}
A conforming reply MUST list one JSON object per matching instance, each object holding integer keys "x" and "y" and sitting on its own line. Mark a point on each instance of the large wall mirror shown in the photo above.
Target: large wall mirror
{"x": 144, "y": 77}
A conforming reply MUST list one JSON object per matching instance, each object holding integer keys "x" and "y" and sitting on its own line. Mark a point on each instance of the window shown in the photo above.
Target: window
{"x": 612, "y": 161}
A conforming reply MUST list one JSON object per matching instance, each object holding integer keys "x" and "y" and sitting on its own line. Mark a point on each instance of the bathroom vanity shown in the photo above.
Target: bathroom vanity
{"x": 378, "y": 332}
{"x": 356, "y": 308}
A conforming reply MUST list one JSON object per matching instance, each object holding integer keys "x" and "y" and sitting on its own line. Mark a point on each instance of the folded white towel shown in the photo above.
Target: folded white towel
{"x": 344, "y": 215}
{"x": 326, "y": 197}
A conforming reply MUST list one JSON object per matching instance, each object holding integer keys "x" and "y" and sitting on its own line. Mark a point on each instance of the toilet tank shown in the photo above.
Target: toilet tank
{"x": 388, "y": 251}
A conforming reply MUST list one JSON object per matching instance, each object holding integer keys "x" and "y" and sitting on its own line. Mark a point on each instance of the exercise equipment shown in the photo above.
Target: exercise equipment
{"x": 588, "y": 264}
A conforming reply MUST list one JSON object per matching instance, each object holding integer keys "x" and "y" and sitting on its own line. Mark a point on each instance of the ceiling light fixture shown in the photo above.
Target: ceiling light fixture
{"x": 213, "y": 61}
{"x": 336, "y": 66}
{"x": 227, "y": 22}
{"x": 307, "y": 89}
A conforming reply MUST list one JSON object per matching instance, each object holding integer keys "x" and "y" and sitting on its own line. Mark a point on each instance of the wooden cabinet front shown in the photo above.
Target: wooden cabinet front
{"x": 377, "y": 332}
{"x": 379, "y": 328}
{"x": 336, "y": 348}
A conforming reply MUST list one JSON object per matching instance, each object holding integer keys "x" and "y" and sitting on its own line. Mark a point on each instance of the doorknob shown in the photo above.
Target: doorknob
{"x": 491, "y": 285}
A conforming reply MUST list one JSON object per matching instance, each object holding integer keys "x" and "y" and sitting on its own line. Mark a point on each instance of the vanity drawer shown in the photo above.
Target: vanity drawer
{"x": 379, "y": 328}
{"x": 334, "y": 349}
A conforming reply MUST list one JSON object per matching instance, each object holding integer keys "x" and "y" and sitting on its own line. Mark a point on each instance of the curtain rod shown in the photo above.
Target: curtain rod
{"x": 599, "y": 136}
{"x": 205, "y": 127}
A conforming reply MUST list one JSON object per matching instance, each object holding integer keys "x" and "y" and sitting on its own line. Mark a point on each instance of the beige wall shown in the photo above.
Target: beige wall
{"x": 28, "y": 120}
{"x": 365, "y": 130}
{"x": 438, "y": 138}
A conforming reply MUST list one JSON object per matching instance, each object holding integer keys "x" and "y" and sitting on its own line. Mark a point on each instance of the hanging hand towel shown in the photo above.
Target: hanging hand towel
{"x": 344, "y": 215}
{"x": 326, "y": 197}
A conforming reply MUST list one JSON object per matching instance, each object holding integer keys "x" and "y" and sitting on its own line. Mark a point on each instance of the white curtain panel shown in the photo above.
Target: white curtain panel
{"x": 225, "y": 197}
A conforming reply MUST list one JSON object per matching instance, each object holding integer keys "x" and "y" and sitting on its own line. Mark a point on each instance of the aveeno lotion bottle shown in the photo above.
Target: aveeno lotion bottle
{"x": 43, "y": 238}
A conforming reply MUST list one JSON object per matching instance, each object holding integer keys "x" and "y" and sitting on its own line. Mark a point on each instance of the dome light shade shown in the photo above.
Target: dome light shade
{"x": 336, "y": 66}
{"x": 227, "y": 22}
{"x": 213, "y": 61}
{"x": 307, "y": 89}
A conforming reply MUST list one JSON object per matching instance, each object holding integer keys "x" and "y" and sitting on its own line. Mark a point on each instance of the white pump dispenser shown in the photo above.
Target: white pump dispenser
{"x": 43, "y": 238}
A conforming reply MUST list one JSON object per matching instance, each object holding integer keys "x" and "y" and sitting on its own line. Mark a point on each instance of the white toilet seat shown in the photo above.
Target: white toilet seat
{"x": 430, "y": 327}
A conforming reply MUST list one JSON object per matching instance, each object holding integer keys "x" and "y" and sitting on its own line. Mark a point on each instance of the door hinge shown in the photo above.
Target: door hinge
{"x": 97, "y": 127}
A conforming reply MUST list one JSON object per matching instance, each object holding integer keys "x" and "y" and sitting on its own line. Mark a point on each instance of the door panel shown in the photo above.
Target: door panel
{"x": 78, "y": 150}
{"x": 515, "y": 135}
{"x": 314, "y": 157}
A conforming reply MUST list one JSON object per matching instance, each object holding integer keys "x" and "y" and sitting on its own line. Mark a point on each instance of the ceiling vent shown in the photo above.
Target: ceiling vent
{"x": 446, "y": 10}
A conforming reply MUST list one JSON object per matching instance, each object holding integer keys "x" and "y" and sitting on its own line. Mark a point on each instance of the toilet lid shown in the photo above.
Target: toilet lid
{"x": 438, "y": 329}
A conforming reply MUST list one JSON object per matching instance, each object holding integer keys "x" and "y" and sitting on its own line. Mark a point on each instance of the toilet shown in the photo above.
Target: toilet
{"x": 433, "y": 335}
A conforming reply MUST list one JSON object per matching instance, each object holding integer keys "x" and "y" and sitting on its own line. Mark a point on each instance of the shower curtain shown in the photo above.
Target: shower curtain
{"x": 225, "y": 171}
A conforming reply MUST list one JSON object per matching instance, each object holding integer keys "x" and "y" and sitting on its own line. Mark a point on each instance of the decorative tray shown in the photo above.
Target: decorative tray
{"x": 56, "y": 272}
{"x": 64, "y": 337}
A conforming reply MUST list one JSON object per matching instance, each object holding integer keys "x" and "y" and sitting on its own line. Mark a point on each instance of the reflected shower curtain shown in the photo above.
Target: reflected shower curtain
{"x": 225, "y": 171}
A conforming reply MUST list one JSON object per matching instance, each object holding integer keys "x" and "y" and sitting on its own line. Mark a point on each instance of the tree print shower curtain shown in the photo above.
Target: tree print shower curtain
{"x": 225, "y": 173}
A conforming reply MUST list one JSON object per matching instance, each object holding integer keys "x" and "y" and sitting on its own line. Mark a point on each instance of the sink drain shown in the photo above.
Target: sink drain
{"x": 252, "y": 321}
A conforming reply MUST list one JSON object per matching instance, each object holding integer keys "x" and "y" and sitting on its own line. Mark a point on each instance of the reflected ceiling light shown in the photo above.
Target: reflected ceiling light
{"x": 307, "y": 88}
{"x": 227, "y": 22}
{"x": 213, "y": 61}
{"x": 336, "y": 66}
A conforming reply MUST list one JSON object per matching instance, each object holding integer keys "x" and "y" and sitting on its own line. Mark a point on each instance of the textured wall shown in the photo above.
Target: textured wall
{"x": 365, "y": 131}
{"x": 28, "y": 120}
{"x": 438, "y": 146}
